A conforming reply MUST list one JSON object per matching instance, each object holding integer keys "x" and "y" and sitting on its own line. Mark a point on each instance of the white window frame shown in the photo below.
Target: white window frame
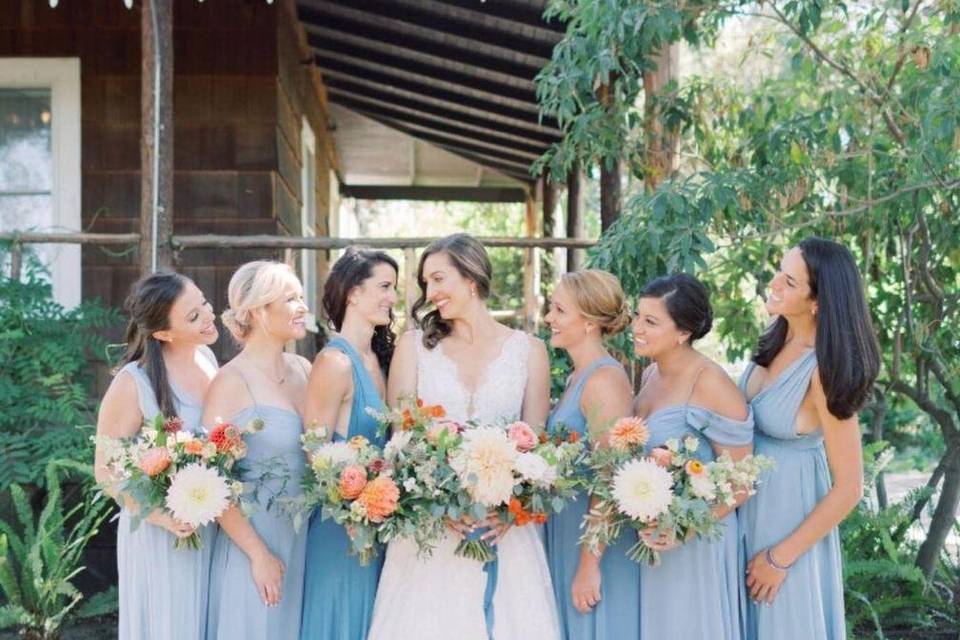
{"x": 62, "y": 77}
{"x": 308, "y": 213}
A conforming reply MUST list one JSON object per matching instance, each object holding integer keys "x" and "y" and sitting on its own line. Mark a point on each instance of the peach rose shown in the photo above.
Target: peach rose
{"x": 436, "y": 430}
{"x": 155, "y": 461}
{"x": 628, "y": 432}
{"x": 661, "y": 456}
{"x": 379, "y": 498}
{"x": 193, "y": 447}
{"x": 353, "y": 479}
{"x": 523, "y": 436}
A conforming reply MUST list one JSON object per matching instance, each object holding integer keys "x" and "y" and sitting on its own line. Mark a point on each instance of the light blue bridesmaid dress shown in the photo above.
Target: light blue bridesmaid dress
{"x": 810, "y": 601}
{"x": 338, "y": 592}
{"x": 696, "y": 590}
{"x": 275, "y": 459}
{"x": 163, "y": 590}
{"x": 617, "y": 615}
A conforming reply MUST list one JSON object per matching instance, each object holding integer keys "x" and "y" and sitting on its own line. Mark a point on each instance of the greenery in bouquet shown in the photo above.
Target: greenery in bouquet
{"x": 191, "y": 476}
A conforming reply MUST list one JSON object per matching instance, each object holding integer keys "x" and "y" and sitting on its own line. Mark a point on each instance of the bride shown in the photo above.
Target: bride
{"x": 478, "y": 369}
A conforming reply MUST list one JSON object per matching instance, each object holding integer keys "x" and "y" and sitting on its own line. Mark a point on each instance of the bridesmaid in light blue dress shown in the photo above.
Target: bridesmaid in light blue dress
{"x": 813, "y": 369}
{"x": 696, "y": 590}
{"x": 597, "y": 598}
{"x": 256, "y": 578}
{"x": 347, "y": 379}
{"x": 162, "y": 590}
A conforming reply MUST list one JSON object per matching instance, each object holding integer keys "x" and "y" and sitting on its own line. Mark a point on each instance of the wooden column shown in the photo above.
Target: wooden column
{"x": 410, "y": 290}
{"x": 660, "y": 149}
{"x": 610, "y": 197}
{"x": 156, "y": 137}
{"x": 551, "y": 194}
{"x": 574, "y": 216}
{"x": 531, "y": 270}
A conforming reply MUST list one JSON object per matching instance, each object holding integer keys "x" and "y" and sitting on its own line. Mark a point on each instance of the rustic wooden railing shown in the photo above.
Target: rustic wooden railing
{"x": 531, "y": 247}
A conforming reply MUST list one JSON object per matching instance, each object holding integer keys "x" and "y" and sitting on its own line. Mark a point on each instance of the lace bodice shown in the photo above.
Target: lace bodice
{"x": 498, "y": 397}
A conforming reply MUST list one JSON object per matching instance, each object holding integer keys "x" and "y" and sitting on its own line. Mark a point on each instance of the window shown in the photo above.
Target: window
{"x": 40, "y": 160}
{"x": 308, "y": 214}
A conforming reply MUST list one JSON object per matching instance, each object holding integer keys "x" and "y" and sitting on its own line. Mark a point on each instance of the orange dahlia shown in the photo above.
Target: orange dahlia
{"x": 379, "y": 498}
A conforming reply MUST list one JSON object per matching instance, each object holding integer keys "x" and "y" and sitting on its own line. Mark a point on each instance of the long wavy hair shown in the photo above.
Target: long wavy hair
{"x": 471, "y": 261}
{"x": 848, "y": 355}
{"x": 148, "y": 307}
{"x": 353, "y": 267}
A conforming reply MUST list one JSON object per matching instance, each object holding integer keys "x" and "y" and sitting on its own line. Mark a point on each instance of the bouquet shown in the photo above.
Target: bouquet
{"x": 191, "y": 477}
{"x": 350, "y": 482}
{"x": 514, "y": 476}
{"x": 668, "y": 488}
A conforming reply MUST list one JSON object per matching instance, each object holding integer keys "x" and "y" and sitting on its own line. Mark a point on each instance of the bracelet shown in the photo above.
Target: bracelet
{"x": 768, "y": 554}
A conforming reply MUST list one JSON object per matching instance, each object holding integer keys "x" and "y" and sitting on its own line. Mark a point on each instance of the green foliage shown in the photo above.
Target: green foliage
{"x": 40, "y": 556}
{"x": 45, "y": 379}
{"x": 886, "y": 593}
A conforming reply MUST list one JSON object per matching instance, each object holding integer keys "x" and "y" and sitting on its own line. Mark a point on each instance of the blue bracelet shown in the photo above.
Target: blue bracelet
{"x": 773, "y": 563}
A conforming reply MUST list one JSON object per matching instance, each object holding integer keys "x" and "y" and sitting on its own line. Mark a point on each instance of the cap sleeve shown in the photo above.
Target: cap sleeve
{"x": 720, "y": 429}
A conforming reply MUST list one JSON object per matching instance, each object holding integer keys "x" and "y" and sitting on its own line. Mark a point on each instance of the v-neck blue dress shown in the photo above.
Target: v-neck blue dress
{"x": 810, "y": 601}
{"x": 338, "y": 591}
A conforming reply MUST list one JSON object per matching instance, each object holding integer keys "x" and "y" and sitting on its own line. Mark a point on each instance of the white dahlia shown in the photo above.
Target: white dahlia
{"x": 197, "y": 495}
{"x": 485, "y": 465}
{"x": 643, "y": 489}
{"x": 533, "y": 468}
{"x": 332, "y": 454}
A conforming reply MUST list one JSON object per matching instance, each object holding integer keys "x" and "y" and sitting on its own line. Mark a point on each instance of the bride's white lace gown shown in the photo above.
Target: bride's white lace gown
{"x": 441, "y": 597}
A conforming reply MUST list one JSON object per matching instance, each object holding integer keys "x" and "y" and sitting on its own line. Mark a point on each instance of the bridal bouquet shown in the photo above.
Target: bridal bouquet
{"x": 668, "y": 488}
{"x": 514, "y": 476}
{"x": 191, "y": 477}
{"x": 350, "y": 482}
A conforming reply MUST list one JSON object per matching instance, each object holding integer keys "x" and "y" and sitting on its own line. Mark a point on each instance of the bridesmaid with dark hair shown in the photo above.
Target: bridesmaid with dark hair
{"x": 163, "y": 590}
{"x": 695, "y": 591}
{"x": 348, "y": 378}
{"x": 812, "y": 371}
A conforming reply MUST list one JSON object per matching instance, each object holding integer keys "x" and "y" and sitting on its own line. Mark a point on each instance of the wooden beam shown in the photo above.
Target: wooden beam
{"x": 512, "y": 11}
{"x": 264, "y": 241}
{"x": 361, "y": 96}
{"x": 574, "y": 216}
{"x": 156, "y": 140}
{"x": 436, "y": 194}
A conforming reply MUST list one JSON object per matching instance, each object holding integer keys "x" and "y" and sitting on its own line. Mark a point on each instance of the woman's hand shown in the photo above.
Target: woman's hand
{"x": 764, "y": 579}
{"x": 497, "y": 527}
{"x": 460, "y": 528}
{"x": 164, "y": 520}
{"x": 268, "y": 573}
{"x": 586, "y": 585}
{"x": 658, "y": 541}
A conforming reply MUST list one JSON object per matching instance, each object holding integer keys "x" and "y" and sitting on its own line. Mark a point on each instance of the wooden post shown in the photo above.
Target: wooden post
{"x": 551, "y": 194}
{"x": 660, "y": 156}
{"x": 610, "y": 198}
{"x": 156, "y": 137}
{"x": 16, "y": 260}
{"x": 410, "y": 292}
{"x": 531, "y": 271}
{"x": 574, "y": 216}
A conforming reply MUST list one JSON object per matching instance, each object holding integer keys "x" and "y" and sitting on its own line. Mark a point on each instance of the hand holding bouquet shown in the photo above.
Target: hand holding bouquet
{"x": 190, "y": 477}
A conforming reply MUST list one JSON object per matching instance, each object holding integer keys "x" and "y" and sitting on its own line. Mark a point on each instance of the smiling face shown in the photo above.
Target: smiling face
{"x": 654, "y": 331}
{"x": 447, "y": 289}
{"x": 286, "y": 316}
{"x": 789, "y": 293}
{"x": 375, "y": 297}
{"x": 567, "y": 324}
{"x": 191, "y": 319}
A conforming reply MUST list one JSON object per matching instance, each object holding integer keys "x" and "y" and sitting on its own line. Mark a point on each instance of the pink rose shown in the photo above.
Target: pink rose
{"x": 661, "y": 456}
{"x": 154, "y": 461}
{"x": 436, "y": 430}
{"x": 352, "y": 481}
{"x": 523, "y": 436}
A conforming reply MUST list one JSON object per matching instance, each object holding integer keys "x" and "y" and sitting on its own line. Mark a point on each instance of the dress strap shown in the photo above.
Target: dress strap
{"x": 253, "y": 398}
{"x": 693, "y": 385}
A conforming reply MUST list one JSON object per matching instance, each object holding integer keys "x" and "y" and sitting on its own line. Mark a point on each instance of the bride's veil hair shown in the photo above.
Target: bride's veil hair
{"x": 470, "y": 259}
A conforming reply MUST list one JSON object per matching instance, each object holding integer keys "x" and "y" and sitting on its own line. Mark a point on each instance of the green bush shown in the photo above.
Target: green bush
{"x": 45, "y": 380}
{"x": 40, "y": 556}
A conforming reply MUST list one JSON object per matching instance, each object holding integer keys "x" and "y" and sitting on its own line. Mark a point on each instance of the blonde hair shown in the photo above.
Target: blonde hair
{"x": 599, "y": 298}
{"x": 252, "y": 287}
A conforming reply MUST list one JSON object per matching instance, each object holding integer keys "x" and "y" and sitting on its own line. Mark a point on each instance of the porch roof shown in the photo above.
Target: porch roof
{"x": 457, "y": 76}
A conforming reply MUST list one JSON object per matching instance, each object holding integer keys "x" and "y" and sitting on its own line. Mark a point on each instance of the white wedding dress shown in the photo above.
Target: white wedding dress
{"x": 441, "y": 597}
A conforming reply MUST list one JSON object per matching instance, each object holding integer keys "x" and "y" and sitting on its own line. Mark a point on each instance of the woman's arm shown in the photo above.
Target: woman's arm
{"x": 329, "y": 388}
{"x": 225, "y": 398}
{"x": 536, "y": 396}
{"x": 402, "y": 380}
{"x": 844, "y": 455}
{"x": 607, "y": 397}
